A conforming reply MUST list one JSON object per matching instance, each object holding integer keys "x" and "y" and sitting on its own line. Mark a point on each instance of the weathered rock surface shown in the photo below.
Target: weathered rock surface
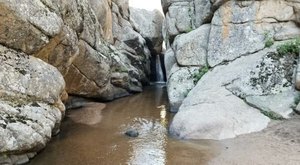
{"x": 263, "y": 79}
{"x": 184, "y": 16}
{"x": 182, "y": 61}
{"x": 191, "y": 48}
{"x": 250, "y": 22}
{"x": 76, "y": 37}
{"x": 179, "y": 84}
{"x": 149, "y": 25}
{"x": 31, "y": 108}
{"x": 210, "y": 111}
{"x": 129, "y": 41}
{"x": 103, "y": 13}
{"x": 281, "y": 104}
{"x": 170, "y": 60}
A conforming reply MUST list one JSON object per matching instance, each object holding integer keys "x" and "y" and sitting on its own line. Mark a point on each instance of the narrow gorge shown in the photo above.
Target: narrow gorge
{"x": 194, "y": 82}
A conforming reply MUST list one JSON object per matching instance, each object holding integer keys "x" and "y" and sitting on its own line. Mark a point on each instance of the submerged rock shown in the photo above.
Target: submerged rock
{"x": 132, "y": 133}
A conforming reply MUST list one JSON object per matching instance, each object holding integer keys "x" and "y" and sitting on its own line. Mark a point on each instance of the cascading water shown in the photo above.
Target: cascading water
{"x": 159, "y": 75}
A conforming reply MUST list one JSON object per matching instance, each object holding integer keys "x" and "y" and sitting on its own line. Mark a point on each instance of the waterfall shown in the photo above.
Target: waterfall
{"x": 159, "y": 75}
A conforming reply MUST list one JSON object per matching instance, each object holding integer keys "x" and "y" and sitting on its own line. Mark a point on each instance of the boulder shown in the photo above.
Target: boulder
{"x": 178, "y": 19}
{"x": 179, "y": 84}
{"x": 31, "y": 108}
{"x": 214, "y": 110}
{"x": 132, "y": 133}
{"x": 234, "y": 22}
{"x": 169, "y": 60}
{"x": 191, "y": 48}
{"x": 33, "y": 22}
{"x": 149, "y": 25}
{"x": 203, "y": 12}
{"x": 185, "y": 16}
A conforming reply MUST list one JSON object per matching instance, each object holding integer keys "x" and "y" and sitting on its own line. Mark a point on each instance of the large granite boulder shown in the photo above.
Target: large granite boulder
{"x": 215, "y": 108}
{"x": 250, "y": 22}
{"x": 169, "y": 61}
{"x": 191, "y": 48}
{"x": 149, "y": 25}
{"x": 31, "y": 107}
{"x": 185, "y": 16}
{"x": 211, "y": 111}
{"x": 180, "y": 83}
{"x": 183, "y": 61}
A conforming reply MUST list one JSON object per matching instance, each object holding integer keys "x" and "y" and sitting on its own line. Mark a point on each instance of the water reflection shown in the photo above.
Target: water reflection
{"x": 96, "y": 137}
{"x": 163, "y": 115}
{"x": 150, "y": 146}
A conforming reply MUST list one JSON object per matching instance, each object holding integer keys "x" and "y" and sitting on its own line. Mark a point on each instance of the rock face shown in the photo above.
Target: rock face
{"x": 98, "y": 52}
{"x": 251, "y": 23}
{"x": 248, "y": 82}
{"x": 183, "y": 60}
{"x": 179, "y": 85}
{"x": 149, "y": 25}
{"x": 31, "y": 108}
{"x": 191, "y": 48}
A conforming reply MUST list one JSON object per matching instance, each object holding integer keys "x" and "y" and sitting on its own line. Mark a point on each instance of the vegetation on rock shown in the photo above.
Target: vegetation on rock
{"x": 291, "y": 47}
{"x": 268, "y": 40}
{"x": 198, "y": 75}
{"x": 272, "y": 115}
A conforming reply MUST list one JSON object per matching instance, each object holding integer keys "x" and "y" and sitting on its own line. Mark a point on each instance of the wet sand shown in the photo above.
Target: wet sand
{"x": 279, "y": 144}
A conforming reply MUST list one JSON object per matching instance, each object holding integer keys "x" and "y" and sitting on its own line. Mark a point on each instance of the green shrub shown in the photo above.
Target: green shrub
{"x": 291, "y": 47}
{"x": 189, "y": 30}
{"x": 198, "y": 75}
{"x": 268, "y": 39}
{"x": 269, "y": 42}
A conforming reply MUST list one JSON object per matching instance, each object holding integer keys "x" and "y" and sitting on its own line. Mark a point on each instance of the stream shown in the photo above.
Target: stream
{"x": 95, "y": 135}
